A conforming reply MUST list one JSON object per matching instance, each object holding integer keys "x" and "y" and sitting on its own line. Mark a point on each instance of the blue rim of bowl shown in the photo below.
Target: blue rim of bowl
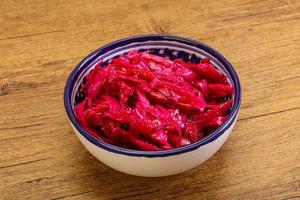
{"x": 163, "y": 153}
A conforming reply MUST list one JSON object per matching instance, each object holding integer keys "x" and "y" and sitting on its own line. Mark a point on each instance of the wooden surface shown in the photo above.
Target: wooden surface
{"x": 40, "y": 43}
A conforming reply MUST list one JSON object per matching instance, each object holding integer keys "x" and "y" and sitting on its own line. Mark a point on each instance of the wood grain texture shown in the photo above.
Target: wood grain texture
{"x": 41, "y": 41}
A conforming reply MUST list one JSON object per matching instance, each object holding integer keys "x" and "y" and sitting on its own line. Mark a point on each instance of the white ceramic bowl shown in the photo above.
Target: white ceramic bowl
{"x": 152, "y": 163}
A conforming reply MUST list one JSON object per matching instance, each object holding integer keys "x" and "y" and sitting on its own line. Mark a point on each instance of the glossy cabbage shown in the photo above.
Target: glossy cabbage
{"x": 147, "y": 102}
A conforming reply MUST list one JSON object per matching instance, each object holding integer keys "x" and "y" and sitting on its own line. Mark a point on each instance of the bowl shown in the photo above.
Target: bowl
{"x": 152, "y": 163}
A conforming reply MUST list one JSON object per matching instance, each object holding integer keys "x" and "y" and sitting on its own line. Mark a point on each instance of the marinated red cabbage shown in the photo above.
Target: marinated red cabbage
{"x": 147, "y": 102}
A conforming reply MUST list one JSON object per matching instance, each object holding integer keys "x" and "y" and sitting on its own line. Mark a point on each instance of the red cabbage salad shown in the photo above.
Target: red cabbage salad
{"x": 146, "y": 102}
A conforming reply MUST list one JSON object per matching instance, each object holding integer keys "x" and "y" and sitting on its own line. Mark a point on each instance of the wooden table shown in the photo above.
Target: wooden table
{"x": 40, "y": 43}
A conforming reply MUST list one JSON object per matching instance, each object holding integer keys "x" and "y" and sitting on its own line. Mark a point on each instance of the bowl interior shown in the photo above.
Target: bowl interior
{"x": 171, "y": 47}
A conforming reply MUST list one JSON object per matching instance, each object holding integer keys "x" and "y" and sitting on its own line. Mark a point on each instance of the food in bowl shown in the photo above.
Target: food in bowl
{"x": 152, "y": 163}
{"x": 146, "y": 102}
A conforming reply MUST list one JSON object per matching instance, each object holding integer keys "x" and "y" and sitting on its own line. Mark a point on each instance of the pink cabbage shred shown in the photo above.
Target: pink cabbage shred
{"x": 147, "y": 102}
